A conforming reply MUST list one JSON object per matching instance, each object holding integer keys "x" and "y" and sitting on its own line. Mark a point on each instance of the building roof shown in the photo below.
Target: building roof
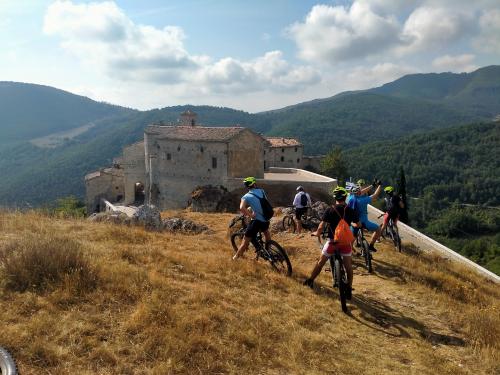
{"x": 102, "y": 171}
{"x": 195, "y": 133}
{"x": 283, "y": 142}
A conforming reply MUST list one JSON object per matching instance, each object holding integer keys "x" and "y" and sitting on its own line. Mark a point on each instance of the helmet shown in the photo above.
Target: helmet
{"x": 355, "y": 189}
{"x": 300, "y": 188}
{"x": 389, "y": 189}
{"x": 339, "y": 193}
{"x": 249, "y": 181}
{"x": 361, "y": 182}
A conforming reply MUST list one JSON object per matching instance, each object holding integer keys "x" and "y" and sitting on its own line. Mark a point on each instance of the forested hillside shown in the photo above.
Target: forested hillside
{"x": 452, "y": 175}
{"x": 413, "y": 104}
{"x": 28, "y": 111}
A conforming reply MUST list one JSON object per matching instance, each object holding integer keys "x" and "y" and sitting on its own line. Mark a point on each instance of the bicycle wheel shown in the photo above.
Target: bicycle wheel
{"x": 236, "y": 240}
{"x": 341, "y": 280}
{"x": 7, "y": 364}
{"x": 397, "y": 239}
{"x": 289, "y": 224}
{"x": 278, "y": 258}
{"x": 367, "y": 255}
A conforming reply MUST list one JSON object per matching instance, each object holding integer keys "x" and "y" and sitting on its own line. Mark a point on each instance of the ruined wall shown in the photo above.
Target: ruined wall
{"x": 105, "y": 184}
{"x": 134, "y": 168}
{"x": 312, "y": 161}
{"x": 246, "y": 155}
{"x": 284, "y": 157}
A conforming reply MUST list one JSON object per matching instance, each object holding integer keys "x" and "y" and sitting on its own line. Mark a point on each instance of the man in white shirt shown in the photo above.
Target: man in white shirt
{"x": 301, "y": 202}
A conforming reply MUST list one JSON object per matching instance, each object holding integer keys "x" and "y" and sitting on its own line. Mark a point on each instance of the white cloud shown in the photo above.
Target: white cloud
{"x": 331, "y": 34}
{"x": 362, "y": 77}
{"x": 101, "y": 34}
{"x": 489, "y": 38}
{"x": 430, "y": 27}
{"x": 457, "y": 64}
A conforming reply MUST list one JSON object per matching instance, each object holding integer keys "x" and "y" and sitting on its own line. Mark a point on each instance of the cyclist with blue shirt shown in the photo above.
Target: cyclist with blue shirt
{"x": 258, "y": 223}
{"x": 361, "y": 203}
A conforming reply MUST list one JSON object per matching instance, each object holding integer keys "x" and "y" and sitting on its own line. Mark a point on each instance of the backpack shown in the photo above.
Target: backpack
{"x": 343, "y": 235}
{"x": 303, "y": 200}
{"x": 267, "y": 209}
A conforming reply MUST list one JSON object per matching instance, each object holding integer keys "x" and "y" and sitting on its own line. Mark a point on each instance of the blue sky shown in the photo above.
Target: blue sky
{"x": 251, "y": 55}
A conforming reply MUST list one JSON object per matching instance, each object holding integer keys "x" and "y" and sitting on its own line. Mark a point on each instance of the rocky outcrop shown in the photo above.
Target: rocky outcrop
{"x": 149, "y": 216}
{"x": 210, "y": 198}
{"x": 181, "y": 225}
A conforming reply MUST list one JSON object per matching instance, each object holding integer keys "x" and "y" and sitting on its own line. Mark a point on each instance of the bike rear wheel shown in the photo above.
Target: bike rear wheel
{"x": 367, "y": 255}
{"x": 397, "y": 239}
{"x": 278, "y": 258}
{"x": 341, "y": 281}
{"x": 7, "y": 364}
{"x": 289, "y": 224}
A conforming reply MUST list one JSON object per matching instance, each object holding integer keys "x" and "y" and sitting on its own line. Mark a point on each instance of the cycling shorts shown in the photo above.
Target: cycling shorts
{"x": 369, "y": 225}
{"x": 387, "y": 216}
{"x": 255, "y": 227}
{"x": 329, "y": 249}
{"x": 300, "y": 211}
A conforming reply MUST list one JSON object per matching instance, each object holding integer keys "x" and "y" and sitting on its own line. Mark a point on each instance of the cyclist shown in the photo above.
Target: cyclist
{"x": 332, "y": 216}
{"x": 258, "y": 222}
{"x": 361, "y": 202}
{"x": 301, "y": 202}
{"x": 393, "y": 206}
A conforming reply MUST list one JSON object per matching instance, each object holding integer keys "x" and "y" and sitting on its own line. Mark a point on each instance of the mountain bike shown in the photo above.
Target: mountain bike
{"x": 365, "y": 249}
{"x": 339, "y": 273}
{"x": 392, "y": 232}
{"x": 270, "y": 251}
{"x": 7, "y": 364}
{"x": 309, "y": 222}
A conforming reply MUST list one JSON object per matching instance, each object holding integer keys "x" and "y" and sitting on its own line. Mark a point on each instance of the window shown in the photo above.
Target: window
{"x": 295, "y": 149}
{"x": 178, "y": 148}
{"x": 282, "y": 158}
{"x": 169, "y": 156}
{"x": 298, "y": 161}
{"x": 201, "y": 149}
{"x": 214, "y": 163}
{"x": 282, "y": 150}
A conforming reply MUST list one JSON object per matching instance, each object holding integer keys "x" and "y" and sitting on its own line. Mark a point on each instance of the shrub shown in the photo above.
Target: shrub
{"x": 41, "y": 262}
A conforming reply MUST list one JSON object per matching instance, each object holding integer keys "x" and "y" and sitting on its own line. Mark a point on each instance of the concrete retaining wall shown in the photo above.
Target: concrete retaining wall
{"x": 427, "y": 244}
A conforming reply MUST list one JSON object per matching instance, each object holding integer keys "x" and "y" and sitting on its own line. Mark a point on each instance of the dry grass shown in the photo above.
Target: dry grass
{"x": 174, "y": 304}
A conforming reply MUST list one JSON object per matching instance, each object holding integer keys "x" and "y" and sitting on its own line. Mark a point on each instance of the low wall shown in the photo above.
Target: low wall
{"x": 280, "y": 185}
{"x": 427, "y": 244}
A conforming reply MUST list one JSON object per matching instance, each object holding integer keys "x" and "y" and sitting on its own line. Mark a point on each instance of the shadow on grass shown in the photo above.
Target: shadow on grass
{"x": 383, "y": 318}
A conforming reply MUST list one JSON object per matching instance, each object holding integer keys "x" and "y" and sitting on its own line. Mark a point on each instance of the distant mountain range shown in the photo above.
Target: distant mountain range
{"x": 35, "y": 175}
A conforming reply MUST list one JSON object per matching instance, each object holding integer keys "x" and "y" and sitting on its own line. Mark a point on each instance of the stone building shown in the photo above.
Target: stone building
{"x": 106, "y": 183}
{"x": 172, "y": 161}
{"x": 179, "y": 158}
{"x": 283, "y": 153}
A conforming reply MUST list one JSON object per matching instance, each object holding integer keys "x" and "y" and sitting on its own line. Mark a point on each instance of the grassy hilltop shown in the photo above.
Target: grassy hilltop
{"x": 137, "y": 302}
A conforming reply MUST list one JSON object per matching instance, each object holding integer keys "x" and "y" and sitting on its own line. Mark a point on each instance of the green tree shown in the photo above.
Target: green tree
{"x": 335, "y": 165}
{"x": 401, "y": 184}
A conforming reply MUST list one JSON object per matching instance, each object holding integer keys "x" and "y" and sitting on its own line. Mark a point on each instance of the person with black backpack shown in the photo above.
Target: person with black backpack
{"x": 261, "y": 213}
{"x": 301, "y": 202}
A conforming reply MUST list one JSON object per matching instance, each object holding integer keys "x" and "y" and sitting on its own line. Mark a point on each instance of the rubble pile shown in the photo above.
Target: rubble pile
{"x": 149, "y": 216}
{"x": 182, "y": 225}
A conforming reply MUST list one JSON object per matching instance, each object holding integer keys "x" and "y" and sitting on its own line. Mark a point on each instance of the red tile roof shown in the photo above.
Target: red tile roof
{"x": 195, "y": 133}
{"x": 283, "y": 142}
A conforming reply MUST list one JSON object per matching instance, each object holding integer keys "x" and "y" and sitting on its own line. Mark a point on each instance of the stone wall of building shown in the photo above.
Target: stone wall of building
{"x": 134, "y": 168}
{"x": 104, "y": 184}
{"x": 246, "y": 155}
{"x": 284, "y": 157}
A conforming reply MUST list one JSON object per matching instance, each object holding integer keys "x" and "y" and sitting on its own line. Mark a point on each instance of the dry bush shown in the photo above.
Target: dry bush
{"x": 39, "y": 262}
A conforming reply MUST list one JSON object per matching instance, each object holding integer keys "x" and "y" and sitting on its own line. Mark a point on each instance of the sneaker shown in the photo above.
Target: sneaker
{"x": 309, "y": 283}
{"x": 372, "y": 249}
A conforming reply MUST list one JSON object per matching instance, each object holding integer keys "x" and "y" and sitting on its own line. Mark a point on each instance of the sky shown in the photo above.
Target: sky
{"x": 250, "y": 55}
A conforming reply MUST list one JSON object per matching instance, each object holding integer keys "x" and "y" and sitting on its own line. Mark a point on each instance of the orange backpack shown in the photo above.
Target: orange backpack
{"x": 343, "y": 234}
